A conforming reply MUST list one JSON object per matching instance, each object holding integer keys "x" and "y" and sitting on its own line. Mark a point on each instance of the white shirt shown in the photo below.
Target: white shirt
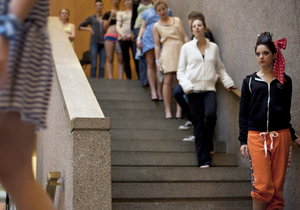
{"x": 196, "y": 73}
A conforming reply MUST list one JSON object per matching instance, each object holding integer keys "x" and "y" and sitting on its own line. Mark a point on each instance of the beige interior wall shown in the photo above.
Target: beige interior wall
{"x": 79, "y": 11}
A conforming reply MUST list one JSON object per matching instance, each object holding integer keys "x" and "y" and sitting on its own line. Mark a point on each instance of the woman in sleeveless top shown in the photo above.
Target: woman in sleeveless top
{"x": 68, "y": 27}
{"x": 169, "y": 32}
{"x": 145, "y": 43}
{"x": 136, "y": 22}
{"x": 25, "y": 78}
{"x": 111, "y": 40}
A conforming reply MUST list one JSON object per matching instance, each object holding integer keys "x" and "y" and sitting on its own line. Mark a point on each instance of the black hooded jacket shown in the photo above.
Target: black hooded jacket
{"x": 265, "y": 107}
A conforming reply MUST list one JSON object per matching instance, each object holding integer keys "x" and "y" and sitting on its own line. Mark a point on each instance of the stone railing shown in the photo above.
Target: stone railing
{"x": 77, "y": 141}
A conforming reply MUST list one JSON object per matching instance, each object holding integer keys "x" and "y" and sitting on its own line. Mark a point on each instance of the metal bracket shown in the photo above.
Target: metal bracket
{"x": 52, "y": 179}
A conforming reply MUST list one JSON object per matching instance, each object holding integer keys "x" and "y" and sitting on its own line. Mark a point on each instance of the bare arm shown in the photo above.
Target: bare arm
{"x": 118, "y": 26}
{"x": 157, "y": 48}
{"x": 141, "y": 32}
{"x": 73, "y": 34}
{"x": 86, "y": 29}
{"x": 184, "y": 36}
{"x": 106, "y": 23}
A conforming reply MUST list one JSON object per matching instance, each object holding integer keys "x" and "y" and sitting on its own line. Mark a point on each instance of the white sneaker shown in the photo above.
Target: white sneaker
{"x": 186, "y": 125}
{"x": 189, "y": 138}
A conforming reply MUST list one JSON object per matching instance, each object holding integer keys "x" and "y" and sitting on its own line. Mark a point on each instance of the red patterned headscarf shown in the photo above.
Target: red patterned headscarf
{"x": 279, "y": 64}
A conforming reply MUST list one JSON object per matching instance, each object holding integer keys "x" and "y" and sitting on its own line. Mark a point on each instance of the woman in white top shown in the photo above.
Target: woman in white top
{"x": 68, "y": 27}
{"x": 198, "y": 70}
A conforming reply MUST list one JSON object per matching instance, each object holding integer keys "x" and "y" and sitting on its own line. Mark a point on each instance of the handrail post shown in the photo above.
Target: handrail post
{"x": 52, "y": 179}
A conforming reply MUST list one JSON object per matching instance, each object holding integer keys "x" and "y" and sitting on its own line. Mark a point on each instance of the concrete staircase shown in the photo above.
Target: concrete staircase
{"x": 152, "y": 168}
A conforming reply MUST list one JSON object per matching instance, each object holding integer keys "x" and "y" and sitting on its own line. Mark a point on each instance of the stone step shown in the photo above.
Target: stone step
{"x": 101, "y": 82}
{"x": 135, "y": 114}
{"x": 148, "y": 134}
{"x": 185, "y": 205}
{"x": 116, "y": 86}
{"x": 124, "y": 96}
{"x": 168, "y": 159}
{"x": 154, "y": 124}
{"x": 179, "y": 174}
{"x": 161, "y": 146}
{"x": 133, "y": 105}
{"x": 181, "y": 190}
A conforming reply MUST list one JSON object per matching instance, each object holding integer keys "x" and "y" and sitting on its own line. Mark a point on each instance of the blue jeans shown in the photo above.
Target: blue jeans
{"x": 142, "y": 64}
{"x": 95, "y": 49}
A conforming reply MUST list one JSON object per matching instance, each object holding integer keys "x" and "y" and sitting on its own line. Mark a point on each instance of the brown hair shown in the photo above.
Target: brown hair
{"x": 67, "y": 11}
{"x": 197, "y": 15}
{"x": 159, "y": 2}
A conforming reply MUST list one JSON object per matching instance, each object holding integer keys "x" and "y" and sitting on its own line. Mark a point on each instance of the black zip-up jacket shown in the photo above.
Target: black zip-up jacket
{"x": 265, "y": 107}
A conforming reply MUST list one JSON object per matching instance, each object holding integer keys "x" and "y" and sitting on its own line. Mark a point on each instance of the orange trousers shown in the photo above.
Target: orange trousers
{"x": 270, "y": 155}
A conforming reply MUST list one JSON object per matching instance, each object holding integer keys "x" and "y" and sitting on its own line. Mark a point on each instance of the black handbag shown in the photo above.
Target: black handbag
{"x": 86, "y": 58}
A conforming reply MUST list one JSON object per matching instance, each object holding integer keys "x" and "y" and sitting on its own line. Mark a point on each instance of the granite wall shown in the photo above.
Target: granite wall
{"x": 235, "y": 26}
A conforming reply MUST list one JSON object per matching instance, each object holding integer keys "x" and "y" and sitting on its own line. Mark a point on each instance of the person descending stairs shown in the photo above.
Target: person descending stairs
{"x": 152, "y": 168}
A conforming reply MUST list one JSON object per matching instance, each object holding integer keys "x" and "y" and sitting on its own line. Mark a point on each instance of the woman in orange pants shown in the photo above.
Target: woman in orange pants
{"x": 265, "y": 131}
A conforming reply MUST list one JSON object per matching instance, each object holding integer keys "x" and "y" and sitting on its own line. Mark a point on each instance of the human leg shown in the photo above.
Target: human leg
{"x": 102, "y": 58}
{"x": 178, "y": 108}
{"x": 136, "y": 62}
{"x": 167, "y": 93}
{"x": 178, "y": 94}
{"x": 120, "y": 60}
{"x": 126, "y": 57}
{"x": 142, "y": 65}
{"x": 262, "y": 184}
{"x": 16, "y": 173}
{"x": 93, "y": 51}
{"x": 259, "y": 206}
{"x": 280, "y": 159}
{"x": 151, "y": 73}
{"x": 210, "y": 107}
{"x": 109, "y": 50}
{"x": 159, "y": 86}
{"x": 197, "y": 108}
{"x": 143, "y": 70}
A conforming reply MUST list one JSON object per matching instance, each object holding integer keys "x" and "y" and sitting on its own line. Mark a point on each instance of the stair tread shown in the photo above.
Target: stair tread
{"x": 148, "y": 134}
{"x": 185, "y": 205}
{"x": 168, "y": 158}
{"x": 171, "y": 174}
{"x": 181, "y": 190}
{"x": 167, "y": 145}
